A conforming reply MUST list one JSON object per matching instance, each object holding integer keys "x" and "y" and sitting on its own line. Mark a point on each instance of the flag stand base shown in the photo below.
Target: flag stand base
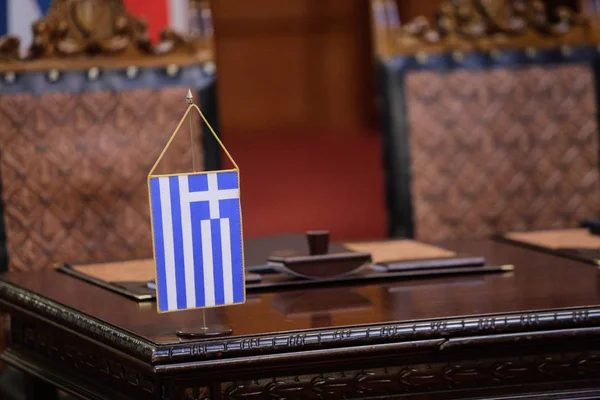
{"x": 204, "y": 331}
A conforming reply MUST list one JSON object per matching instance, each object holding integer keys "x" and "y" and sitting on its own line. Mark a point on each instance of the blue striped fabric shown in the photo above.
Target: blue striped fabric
{"x": 197, "y": 231}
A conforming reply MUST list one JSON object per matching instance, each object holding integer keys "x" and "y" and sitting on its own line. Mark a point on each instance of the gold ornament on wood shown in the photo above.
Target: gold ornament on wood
{"x": 75, "y": 30}
{"x": 489, "y": 24}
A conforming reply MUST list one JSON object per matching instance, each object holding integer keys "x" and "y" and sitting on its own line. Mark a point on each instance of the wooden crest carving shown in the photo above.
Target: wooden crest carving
{"x": 491, "y": 24}
{"x": 9, "y": 48}
{"x": 97, "y": 28}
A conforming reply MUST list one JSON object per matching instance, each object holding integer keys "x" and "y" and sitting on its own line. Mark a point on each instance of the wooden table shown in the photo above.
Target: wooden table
{"x": 531, "y": 331}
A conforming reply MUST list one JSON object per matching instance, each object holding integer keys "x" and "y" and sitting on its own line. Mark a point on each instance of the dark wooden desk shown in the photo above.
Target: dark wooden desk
{"x": 535, "y": 330}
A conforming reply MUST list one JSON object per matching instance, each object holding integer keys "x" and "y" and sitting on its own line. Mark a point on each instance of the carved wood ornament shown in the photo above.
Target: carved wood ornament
{"x": 82, "y": 29}
{"x": 490, "y": 24}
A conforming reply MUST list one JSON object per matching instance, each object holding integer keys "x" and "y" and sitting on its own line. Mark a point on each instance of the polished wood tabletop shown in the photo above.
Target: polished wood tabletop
{"x": 539, "y": 324}
{"x": 539, "y": 282}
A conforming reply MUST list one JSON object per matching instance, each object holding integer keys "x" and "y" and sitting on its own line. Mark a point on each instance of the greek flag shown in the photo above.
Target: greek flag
{"x": 197, "y": 230}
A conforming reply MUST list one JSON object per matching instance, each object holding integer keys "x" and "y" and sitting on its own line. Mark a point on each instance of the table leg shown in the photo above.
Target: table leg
{"x": 36, "y": 389}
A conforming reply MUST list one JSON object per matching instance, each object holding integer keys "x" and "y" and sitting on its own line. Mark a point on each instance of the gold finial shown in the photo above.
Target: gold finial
{"x": 190, "y": 100}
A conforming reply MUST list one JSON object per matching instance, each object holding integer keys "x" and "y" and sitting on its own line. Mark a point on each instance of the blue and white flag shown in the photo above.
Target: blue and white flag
{"x": 18, "y": 16}
{"x": 196, "y": 221}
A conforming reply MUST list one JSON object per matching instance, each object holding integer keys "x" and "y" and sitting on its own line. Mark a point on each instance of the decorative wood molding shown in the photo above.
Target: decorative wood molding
{"x": 72, "y": 355}
{"x": 67, "y": 318}
{"x": 462, "y": 25}
{"x": 92, "y": 33}
{"x": 85, "y": 355}
{"x": 9, "y": 48}
{"x": 91, "y": 367}
{"x": 418, "y": 378}
{"x": 425, "y": 332}
{"x": 429, "y": 333}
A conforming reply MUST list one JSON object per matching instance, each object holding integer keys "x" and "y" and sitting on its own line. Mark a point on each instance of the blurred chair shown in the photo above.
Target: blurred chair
{"x": 490, "y": 119}
{"x": 82, "y": 119}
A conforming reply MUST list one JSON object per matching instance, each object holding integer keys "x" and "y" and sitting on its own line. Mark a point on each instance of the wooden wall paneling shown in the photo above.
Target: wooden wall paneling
{"x": 293, "y": 66}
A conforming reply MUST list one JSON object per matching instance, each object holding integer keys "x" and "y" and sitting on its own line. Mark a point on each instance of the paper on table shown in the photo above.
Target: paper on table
{"x": 400, "y": 250}
{"x": 122, "y": 271}
{"x": 561, "y": 238}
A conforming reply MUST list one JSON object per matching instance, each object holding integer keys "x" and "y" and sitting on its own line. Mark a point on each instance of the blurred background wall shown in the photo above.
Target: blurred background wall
{"x": 297, "y": 102}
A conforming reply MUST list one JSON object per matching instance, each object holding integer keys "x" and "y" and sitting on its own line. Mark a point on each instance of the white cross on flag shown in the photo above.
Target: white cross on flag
{"x": 197, "y": 230}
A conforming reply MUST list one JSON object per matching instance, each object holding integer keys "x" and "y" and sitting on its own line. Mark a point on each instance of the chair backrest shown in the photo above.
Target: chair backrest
{"x": 490, "y": 120}
{"x": 83, "y": 117}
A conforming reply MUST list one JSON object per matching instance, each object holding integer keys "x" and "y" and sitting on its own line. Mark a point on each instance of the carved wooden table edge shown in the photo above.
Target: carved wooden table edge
{"x": 16, "y": 299}
{"x": 89, "y": 357}
{"x": 533, "y": 324}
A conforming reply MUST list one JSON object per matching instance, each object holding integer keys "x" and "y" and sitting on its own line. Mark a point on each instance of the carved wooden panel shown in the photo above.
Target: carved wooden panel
{"x": 419, "y": 378}
{"x": 100, "y": 28}
{"x": 306, "y": 92}
{"x": 478, "y": 25}
{"x": 72, "y": 355}
{"x": 74, "y": 170}
{"x": 502, "y": 149}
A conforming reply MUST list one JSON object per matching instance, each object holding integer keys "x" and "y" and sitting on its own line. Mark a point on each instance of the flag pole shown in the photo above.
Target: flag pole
{"x": 190, "y": 99}
{"x": 204, "y": 329}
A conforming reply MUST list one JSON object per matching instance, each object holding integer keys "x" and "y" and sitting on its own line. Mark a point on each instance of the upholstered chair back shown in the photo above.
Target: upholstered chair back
{"x": 485, "y": 130}
{"x": 82, "y": 120}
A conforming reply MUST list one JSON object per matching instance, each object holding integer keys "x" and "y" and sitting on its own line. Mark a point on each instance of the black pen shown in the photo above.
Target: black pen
{"x": 411, "y": 265}
{"x": 452, "y": 271}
